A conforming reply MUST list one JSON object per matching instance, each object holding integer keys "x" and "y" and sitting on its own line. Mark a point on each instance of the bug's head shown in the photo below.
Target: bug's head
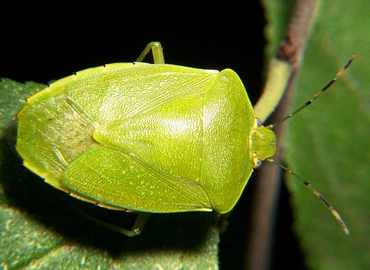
{"x": 262, "y": 143}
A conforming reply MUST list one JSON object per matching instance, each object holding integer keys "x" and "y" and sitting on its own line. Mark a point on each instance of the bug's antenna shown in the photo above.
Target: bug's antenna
{"x": 318, "y": 195}
{"x": 317, "y": 95}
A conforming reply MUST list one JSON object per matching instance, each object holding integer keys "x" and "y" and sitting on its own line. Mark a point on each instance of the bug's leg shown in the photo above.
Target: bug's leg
{"x": 139, "y": 223}
{"x": 222, "y": 222}
{"x": 135, "y": 230}
{"x": 157, "y": 52}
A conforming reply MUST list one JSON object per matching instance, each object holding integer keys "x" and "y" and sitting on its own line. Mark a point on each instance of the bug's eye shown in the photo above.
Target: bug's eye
{"x": 259, "y": 122}
{"x": 259, "y": 163}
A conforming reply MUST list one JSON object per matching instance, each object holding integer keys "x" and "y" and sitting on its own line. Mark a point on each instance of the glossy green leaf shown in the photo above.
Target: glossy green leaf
{"x": 327, "y": 143}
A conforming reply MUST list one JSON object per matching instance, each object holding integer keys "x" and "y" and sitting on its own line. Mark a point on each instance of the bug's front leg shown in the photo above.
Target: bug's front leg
{"x": 157, "y": 52}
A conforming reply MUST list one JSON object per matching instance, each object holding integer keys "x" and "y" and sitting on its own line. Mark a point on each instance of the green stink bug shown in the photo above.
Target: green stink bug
{"x": 151, "y": 138}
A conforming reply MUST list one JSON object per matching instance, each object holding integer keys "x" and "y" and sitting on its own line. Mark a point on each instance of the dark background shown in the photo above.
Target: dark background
{"x": 45, "y": 43}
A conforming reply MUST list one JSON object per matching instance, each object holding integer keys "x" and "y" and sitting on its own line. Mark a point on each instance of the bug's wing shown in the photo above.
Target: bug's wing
{"x": 153, "y": 115}
{"x": 129, "y": 91}
{"x": 114, "y": 178}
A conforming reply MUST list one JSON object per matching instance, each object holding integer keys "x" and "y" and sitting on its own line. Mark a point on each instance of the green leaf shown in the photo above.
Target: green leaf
{"x": 277, "y": 13}
{"x": 327, "y": 144}
{"x": 39, "y": 228}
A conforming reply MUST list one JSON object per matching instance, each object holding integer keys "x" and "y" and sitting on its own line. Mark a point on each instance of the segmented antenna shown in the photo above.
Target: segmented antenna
{"x": 318, "y": 195}
{"x": 317, "y": 95}
{"x": 307, "y": 184}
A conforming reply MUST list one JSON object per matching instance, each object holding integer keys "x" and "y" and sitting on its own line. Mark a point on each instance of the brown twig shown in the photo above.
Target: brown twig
{"x": 260, "y": 239}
